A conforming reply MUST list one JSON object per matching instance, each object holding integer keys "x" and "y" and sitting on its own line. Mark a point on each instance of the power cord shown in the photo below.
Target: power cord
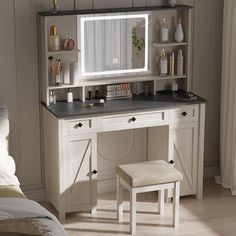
{"x": 189, "y": 96}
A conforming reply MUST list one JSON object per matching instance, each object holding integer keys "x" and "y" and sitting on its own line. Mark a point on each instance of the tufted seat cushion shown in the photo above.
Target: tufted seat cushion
{"x": 148, "y": 173}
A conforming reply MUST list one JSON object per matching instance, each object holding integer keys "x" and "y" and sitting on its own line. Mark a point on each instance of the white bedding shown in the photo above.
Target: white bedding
{"x": 7, "y": 167}
{"x": 17, "y": 208}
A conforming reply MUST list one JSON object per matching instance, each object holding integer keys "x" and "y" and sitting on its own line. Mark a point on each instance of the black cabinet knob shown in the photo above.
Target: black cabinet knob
{"x": 184, "y": 113}
{"x": 133, "y": 119}
{"x": 95, "y": 172}
{"x": 80, "y": 125}
{"x": 171, "y": 162}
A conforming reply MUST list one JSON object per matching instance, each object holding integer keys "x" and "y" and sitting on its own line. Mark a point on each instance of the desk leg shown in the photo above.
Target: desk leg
{"x": 132, "y": 211}
{"x": 161, "y": 196}
{"x": 119, "y": 193}
{"x": 200, "y": 151}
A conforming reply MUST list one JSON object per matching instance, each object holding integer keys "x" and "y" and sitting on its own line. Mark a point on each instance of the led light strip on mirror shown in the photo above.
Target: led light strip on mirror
{"x": 83, "y": 20}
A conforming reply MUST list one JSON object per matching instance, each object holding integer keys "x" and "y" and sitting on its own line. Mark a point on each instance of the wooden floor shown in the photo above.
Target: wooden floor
{"x": 215, "y": 215}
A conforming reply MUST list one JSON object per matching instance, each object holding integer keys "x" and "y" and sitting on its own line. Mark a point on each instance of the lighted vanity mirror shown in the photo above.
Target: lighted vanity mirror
{"x": 114, "y": 44}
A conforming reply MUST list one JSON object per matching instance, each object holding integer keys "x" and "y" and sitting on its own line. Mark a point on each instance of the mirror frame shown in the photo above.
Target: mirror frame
{"x": 113, "y": 72}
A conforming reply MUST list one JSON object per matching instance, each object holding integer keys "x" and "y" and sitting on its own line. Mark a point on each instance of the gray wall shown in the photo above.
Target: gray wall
{"x": 19, "y": 75}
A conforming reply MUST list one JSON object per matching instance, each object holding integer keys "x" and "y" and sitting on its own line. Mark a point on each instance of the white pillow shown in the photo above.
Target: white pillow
{"x": 7, "y": 167}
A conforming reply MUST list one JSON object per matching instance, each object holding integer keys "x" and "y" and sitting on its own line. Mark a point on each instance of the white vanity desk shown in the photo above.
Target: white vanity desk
{"x": 70, "y": 144}
{"x": 72, "y": 132}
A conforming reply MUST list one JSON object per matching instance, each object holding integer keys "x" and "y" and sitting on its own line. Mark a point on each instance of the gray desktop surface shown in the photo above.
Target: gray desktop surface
{"x": 136, "y": 103}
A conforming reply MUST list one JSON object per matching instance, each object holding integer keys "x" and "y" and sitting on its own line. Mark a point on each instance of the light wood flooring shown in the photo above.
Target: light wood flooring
{"x": 215, "y": 215}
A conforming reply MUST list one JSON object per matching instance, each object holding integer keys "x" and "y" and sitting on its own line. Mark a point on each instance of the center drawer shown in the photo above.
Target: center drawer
{"x": 135, "y": 120}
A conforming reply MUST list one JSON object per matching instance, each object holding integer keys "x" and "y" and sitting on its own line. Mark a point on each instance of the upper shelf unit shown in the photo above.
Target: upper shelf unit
{"x": 138, "y": 39}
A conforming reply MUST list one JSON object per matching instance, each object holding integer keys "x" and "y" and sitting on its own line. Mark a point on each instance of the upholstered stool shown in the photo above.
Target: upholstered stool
{"x": 146, "y": 177}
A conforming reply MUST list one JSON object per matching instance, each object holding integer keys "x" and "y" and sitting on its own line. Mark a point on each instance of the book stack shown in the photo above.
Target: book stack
{"x": 118, "y": 91}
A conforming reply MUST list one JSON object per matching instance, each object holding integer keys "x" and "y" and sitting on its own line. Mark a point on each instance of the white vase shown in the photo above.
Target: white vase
{"x": 172, "y": 3}
{"x": 179, "y": 34}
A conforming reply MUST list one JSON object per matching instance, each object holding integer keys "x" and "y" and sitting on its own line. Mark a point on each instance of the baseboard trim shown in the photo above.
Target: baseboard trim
{"x": 36, "y": 195}
{"x": 211, "y": 168}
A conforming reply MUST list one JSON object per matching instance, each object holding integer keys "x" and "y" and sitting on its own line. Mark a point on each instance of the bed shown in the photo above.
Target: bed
{"x": 19, "y": 215}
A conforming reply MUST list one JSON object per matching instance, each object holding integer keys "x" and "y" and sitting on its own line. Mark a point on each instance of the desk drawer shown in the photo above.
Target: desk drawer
{"x": 185, "y": 114}
{"x": 79, "y": 126}
{"x": 132, "y": 121}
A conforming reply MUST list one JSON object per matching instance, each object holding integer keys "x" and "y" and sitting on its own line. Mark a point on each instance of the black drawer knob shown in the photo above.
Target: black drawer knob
{"x": 95, "y": 172}
{"x": 171, "y": 162}
{"x": 184, "y": 113}
{"x": 78, "y": 125}
{"x": 133, "y": 119}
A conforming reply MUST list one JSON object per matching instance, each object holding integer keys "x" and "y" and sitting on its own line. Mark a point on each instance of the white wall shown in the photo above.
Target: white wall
{"x": 19, "y": 74}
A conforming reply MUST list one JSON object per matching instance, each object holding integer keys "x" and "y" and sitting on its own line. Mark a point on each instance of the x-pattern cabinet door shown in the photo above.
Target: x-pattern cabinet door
{"x": 81, "y": 167}
{"x": 183, "y": 151}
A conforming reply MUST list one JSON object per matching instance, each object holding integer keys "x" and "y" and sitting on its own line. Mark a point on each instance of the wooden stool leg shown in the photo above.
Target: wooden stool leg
{"x": 119, "y": 193}
{"x": 161, "y": 198}
{"x": 132, "y": 211}
{"x": 176, "y": 205}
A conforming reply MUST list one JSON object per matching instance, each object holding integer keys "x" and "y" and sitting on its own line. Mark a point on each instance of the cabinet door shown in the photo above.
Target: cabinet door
{"x": 80, "y": 161}
{"x": 183, "y": 150}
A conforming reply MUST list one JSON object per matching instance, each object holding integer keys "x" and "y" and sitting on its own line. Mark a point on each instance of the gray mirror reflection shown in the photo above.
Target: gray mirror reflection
{"x": 114, "y": 45}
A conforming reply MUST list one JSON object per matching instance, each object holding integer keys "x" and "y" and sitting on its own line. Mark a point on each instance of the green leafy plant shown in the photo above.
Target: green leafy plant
{"x": 138, "y": 43}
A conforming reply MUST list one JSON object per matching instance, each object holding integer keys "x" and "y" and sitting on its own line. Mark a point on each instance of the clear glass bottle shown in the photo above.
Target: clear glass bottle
{"x": 163, "y": 64}
{"x": 164, "y": 32}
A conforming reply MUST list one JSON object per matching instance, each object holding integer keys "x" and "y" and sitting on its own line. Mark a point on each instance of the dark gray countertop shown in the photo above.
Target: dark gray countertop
{"x": 160, "y": 101}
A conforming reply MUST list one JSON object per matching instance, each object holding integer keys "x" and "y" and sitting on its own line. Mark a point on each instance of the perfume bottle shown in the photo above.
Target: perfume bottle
{"x": 53, "y": 39}
{"x": 54, "y": 8}
{"x": 164, "y": 32}
{"x": 163, "y": 63}
{"x": 69, "y": 43}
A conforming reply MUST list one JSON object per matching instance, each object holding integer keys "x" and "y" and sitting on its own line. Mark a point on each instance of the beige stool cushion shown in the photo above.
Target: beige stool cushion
{"x": 148, "y": 173}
